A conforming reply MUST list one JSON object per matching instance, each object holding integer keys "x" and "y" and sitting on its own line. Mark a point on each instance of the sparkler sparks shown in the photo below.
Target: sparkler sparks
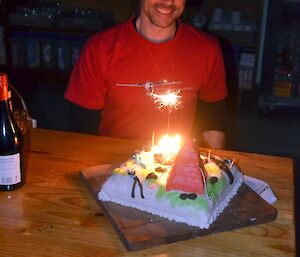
{"x": 170, "y": 100}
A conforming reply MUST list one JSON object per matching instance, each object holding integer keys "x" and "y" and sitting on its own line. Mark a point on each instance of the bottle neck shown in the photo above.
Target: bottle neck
{"x": 4, "y": 107}
{"x": 3, "y": 99}
{"x": 3, "y": 87}
{"x": 6, "y": 118}
{"x": 3, "y": 96}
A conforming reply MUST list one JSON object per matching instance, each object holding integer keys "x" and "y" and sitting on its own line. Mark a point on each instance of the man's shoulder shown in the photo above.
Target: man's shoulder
{"x": 199, "y": 36}
{"x": 109, "y": 35}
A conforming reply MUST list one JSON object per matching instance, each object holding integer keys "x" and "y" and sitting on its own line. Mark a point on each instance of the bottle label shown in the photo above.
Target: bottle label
{"x": 10, "y": 171}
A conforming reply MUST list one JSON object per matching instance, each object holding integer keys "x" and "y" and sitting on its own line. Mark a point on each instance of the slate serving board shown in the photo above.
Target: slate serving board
{"x": 139, "y": 230}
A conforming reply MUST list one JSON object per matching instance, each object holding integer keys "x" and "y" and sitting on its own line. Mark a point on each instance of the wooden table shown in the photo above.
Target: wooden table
{"x": 53, "y": 214}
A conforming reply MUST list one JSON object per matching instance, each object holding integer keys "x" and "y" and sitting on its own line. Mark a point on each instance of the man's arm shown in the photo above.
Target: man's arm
{"x": 83, "y": 120}
{"x": 210, "y": 124}
{"x": 214, "y": 139}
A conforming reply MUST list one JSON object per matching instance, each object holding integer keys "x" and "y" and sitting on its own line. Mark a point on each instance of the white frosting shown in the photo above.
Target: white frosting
{"x": 118, "y": 189}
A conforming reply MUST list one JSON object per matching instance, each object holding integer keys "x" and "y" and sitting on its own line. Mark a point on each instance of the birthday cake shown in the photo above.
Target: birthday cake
{"x": 175, "y": 181}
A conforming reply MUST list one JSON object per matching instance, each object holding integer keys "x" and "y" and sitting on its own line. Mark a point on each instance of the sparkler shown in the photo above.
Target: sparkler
{"x": 170, "y": 100}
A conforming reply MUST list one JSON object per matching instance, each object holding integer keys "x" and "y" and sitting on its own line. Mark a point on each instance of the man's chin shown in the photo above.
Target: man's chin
{"x": 164, "y": 23}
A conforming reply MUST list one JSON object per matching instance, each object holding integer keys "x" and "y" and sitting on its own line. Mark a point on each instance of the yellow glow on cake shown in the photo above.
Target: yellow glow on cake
{"x": 169, "y": 146}
{"x": 213, "y": 169}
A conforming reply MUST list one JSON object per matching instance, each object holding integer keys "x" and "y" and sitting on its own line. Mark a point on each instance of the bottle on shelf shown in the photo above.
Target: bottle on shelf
{"x": 283, "y": 76}
{"x": 11, "y": 143}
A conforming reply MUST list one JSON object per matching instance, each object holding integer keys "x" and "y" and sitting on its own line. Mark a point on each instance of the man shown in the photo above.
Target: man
{"x": 122, "y": 70}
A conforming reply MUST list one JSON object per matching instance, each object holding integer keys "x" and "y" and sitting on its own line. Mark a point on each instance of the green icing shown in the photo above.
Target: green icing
{"x": 173, "y": 196}
{"x": 200, "y": 202}
{"x": 214, "y": 190}
{"x": 160, "y": 192}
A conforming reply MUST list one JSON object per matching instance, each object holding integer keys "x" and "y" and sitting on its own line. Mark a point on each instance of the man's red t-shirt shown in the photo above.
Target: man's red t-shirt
{"x": 114, "y": 61}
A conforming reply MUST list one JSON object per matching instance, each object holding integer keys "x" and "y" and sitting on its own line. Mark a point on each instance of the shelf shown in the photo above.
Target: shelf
{"x": 74, "y": 31}
{"x": 268, "y": 102}
{"x": 237, "y": 37}
{"x": 63, "y": 26}
{"x": 39, "y": 76}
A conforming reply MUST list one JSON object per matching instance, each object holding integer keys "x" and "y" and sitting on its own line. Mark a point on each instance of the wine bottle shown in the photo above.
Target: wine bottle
{"x": 11, "y": 143}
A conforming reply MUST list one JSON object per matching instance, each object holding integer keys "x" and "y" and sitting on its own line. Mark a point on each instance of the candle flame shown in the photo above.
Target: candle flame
{"x": 169, "y": 146}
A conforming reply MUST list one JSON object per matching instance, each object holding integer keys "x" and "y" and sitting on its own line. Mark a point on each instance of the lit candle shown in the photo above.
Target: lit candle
{"x": 231, "y": 165}
{"x": 153, "y": 138}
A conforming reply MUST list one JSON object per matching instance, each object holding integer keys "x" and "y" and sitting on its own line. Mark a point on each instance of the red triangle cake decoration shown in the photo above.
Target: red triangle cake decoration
{"x": 186, "y": 174}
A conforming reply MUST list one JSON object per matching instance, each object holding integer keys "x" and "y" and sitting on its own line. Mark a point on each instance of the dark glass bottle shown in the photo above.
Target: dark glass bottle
{"x": 11, "y": 143}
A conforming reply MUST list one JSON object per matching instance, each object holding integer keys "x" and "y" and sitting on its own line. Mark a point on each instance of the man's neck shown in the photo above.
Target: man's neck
{"x": 153, "y": 33}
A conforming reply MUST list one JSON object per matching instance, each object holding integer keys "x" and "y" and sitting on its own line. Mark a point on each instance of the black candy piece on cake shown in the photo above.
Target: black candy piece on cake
{"x": 151, "y": 176}
{"x": 213, "y": 180}
{"x": 160, "y": 170}
{"x": 191, "y": 196}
